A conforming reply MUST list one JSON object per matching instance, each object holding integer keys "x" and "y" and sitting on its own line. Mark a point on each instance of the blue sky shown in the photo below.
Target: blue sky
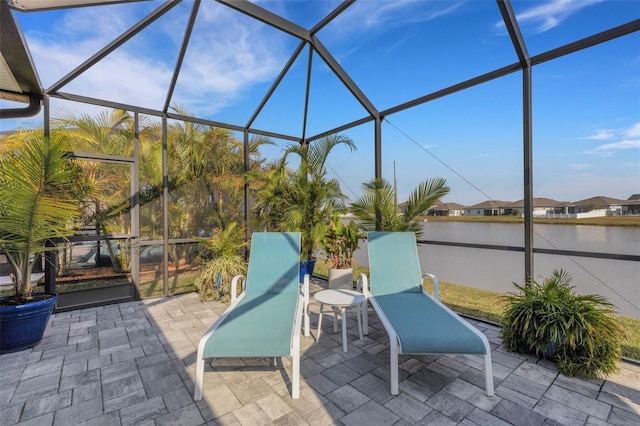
{"x": 586, "y": 106}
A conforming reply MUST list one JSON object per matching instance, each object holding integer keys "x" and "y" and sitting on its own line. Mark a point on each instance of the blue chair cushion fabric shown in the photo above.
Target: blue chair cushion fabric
{"x": 261, "y": 324}
{"x": 422, "y": 324}
{"x": 393, "y": 262}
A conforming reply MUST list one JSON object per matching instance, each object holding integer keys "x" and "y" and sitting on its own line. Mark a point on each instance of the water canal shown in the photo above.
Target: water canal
{"x": 496, "y": 270}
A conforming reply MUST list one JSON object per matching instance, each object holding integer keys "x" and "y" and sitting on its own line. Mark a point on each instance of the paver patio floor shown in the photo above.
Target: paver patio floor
{"x": 134, "y": 363}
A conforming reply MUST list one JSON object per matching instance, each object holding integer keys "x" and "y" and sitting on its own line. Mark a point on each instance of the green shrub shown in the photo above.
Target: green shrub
{"x": 580, "y": 332}
{"x": 225, "y": 260}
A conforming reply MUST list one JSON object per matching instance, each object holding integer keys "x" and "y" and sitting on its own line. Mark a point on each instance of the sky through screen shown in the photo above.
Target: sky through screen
{"x": 586, "y": 106}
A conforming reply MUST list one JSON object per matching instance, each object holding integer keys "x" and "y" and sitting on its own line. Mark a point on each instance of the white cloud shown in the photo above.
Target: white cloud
{"x": 600, "y": 135}
{"x": 548, "y": 15}
{"x": 481, "y": 155}
{"x": 383, "y": 16}
{"x": 633, "y": 131}
{"x": 613, "y": 147}
{"x": 224, "y": 59}
{"x": 623, "y": 139}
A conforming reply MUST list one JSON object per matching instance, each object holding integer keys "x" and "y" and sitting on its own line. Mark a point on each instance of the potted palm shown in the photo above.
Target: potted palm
{"x": 550, "y": 320}
{"x": 340, "y": 242}
{"x": 304, "y": 199}
{"x": 36, "y": 206}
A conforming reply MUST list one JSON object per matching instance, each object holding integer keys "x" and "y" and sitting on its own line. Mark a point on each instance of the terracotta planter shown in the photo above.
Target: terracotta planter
{"x": 341, "y": 278}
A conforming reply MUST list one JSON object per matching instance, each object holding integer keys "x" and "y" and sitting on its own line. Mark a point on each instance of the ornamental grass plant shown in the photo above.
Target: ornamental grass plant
{"x": 548, "y": 319}
{"x": 222, "y": 259}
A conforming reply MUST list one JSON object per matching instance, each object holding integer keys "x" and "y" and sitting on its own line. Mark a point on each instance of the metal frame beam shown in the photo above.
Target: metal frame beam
{"x": 491, "y": 75}
{"x": 344, "y": 77}
{"x": 520, "y": 47}
{"x": 584, "y": 43}
{"x": 277, "y": 82}
{"x": 306, "y": 95}
{"x": 269, "y": 18}
{"x": 104, "y": 103}
{"x": 21, "y": 82}
{"x": 165, "y": 208}
{"x": 331, "y": 16}
{"x": 41, "y": 5}
{"x": 119, "y": 41}
{"x": 511, "y": 23}
{"x": 183, "y": 50}
{"x": 175, "y": 116}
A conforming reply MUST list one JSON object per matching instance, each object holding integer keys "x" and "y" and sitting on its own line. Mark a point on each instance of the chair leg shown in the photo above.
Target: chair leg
{"x": 358, "y": 313}
{"x": 307, "y": 331}
{"x": 393, "y": 365}
{"x": 197, "y": 392}
{"x": 319, "y": 323}
{"x": 295, "y": 382}
{"x": 488, "y": 374}
{"x": 344, "y": 329}
{"x": 365, "y": 317}
{"x": 306, "y": 320}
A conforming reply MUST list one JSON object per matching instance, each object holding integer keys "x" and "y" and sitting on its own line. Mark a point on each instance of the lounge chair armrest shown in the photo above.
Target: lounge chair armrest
{"x": 436, "y": 285}
{"x": 234, "y": 286}
{"x": 363, "y": 284}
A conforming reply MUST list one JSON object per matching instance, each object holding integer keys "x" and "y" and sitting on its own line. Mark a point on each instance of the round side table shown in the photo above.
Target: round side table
{"x": 340, "y": 299}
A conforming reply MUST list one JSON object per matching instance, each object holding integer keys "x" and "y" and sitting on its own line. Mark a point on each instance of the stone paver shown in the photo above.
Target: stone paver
{"x": 134, "y": 364}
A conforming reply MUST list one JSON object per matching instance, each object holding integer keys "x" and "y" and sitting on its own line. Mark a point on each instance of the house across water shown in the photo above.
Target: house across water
{"x": 599, "y": 206}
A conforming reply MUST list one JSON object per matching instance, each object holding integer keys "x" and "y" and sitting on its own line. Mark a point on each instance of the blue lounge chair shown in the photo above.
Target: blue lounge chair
{"x": 266, "y": 318}
{"x": 417, "y": 323}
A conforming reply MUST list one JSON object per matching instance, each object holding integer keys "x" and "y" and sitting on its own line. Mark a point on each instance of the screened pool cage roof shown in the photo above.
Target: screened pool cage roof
{"x": 20, "y": 78}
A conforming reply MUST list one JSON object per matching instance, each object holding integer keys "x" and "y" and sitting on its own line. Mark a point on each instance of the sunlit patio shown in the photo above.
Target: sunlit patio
{"x": 134, "y": 363}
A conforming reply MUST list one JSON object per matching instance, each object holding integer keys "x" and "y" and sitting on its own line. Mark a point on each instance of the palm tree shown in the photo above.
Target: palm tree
{"x": 37, "y": 203}
{"x": 304, "y": 199}
{"x": 208, "y": 171}
{"x": 376, "y": 208}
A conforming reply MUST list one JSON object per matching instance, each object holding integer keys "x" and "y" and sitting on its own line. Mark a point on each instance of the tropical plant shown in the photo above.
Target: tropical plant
{"x": 304, "y": 199}
{"x": 377, "y": 208}
{"x": 340, "y": 241}
{"x": 108, "y": 133}
{"x": 270, "y": 197}
{"x": 37, "y": 204}
{"x": 207, "y": 168}
{"x": 224, "y": 260}
{"x": 549, "y": 319}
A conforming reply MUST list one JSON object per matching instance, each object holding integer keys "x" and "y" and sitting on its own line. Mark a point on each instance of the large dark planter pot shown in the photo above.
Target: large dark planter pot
{"x": 306, "y": 267}
{"x": 23, "y": 325}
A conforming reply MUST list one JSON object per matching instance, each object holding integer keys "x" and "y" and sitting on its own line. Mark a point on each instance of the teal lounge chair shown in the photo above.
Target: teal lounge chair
{"x": 266, "y": 318}
{"x": 416, "y": 322}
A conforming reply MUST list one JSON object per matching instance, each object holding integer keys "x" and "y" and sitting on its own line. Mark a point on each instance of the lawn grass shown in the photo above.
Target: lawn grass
{"x": 488, "y": 306}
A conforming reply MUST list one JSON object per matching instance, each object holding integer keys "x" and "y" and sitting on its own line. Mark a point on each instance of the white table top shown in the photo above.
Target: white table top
{"x": 339, "y": 297}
